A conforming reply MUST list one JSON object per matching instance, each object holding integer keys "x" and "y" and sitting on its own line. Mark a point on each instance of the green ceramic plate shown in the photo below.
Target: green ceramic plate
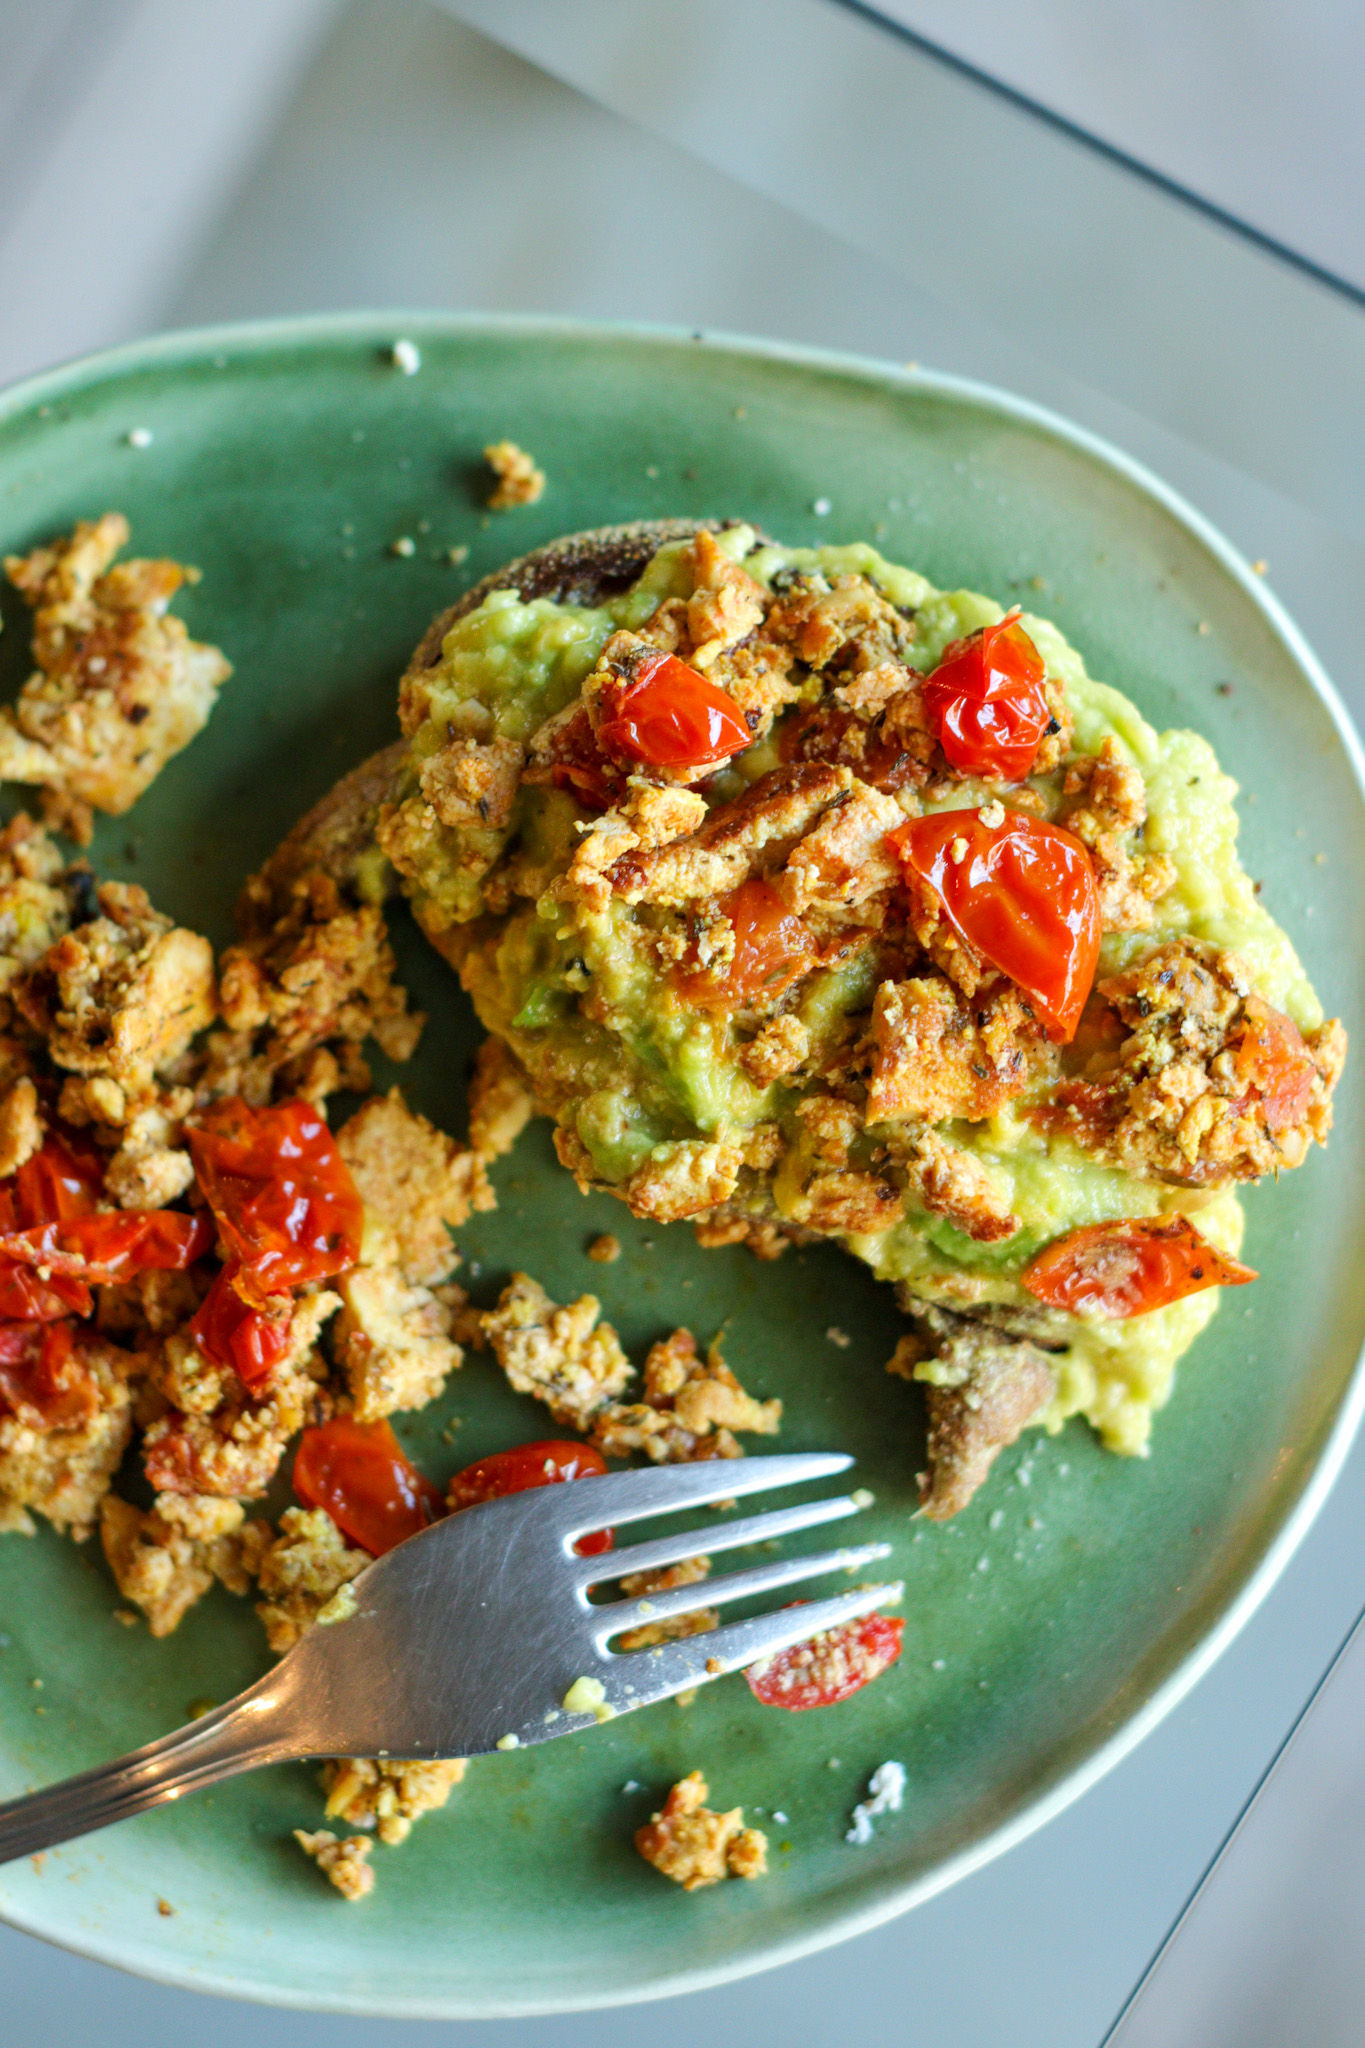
{"x": 1052, "y": 1624}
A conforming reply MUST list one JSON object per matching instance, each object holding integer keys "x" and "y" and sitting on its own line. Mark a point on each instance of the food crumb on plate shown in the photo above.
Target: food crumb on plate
{"x": 834, "y": 1335}
{"x": 165, "y": 1909}
{"x": 696, "y": 1847}
{"x": 886, "y": 1790}
{"x": 519, "y": 481}
{"x": 343, "y": 1862}
{"x": 605, "y": 1250}
{"x": 406, "y": 356}
{"x": 405, "y": 546}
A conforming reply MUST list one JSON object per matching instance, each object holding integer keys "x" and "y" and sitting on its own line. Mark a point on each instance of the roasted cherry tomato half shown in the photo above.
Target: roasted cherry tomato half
{"x": 1275, "y": 1065}
{"x": 773, "y": 947}
{"x": 1131, "y": 1266}
{"x": 231, "y": 1333}
{"x": 670, "y": 717}
{"x": 359, "y": 1472}
{"x": 987, "y": 703}
{"x": 43, "y": 1379}
{"x": 63, "y": 1178}
{"x": 281, "y": 1191}
{"x": 539, "y": 1464}
{"x": 828, "y": 1667}
{"x": 26, "y": 1298}
{"x": 1023, "y": 894}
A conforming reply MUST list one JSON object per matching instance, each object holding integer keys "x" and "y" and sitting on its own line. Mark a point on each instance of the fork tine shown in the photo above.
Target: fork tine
{"x": 666, "y": 1550}
{"x": 761, "y": 1578}
{"x": 632, "y": 1496}
{"x": 638, "y": 1678}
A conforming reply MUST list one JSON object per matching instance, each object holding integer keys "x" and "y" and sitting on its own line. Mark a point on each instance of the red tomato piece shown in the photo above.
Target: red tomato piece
{"x": 547, "y": 1463}
{"x": 1023, "y": 893}
{"x": 671, "y": 717}
{"x": 773, "y": 948}
{"x": 987, "y": 702}
{"x": 232, "y": 1333}
{"x": 112, "y": 1246}
{"x": 43, "y": 1379}
{"x": 26, "y": 1298}
{"x": 359, "y": 1472}
{"x": 828, "y": 1667}
{"x": 1274, "y": 1063}
{"x": 63, "y": 1178}
{"x": 1128, "y": 1267}
{"x": 282, "y": 1193}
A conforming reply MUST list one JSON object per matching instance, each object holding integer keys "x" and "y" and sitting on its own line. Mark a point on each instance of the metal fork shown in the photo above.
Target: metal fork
{"x": 468, "y": 1637}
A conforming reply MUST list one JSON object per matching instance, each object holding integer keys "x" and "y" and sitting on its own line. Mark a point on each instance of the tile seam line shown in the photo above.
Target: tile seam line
{"x": 1171, "y": 188}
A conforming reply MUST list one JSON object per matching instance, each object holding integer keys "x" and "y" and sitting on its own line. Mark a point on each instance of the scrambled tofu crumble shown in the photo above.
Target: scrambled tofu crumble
{"x": 119, "y": 685}
{"x": 518, "y": 481}
{"x": 696, "y": 1847}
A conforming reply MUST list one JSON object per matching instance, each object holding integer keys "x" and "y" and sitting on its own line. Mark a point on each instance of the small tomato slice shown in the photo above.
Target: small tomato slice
{"x": 773, "y": 948}
{"x": 828, "y": 1667}
{"x": 281, "y": 1191}
{"x": 547, "y": 1463}
{"x": 1274, "y": 1063}
{"x": 43, "y": 1379}
{"x": 1023, "y": 893}
{"x": 1128, "y": 1267}
{"x": 671, "y": 717}
{"x": 359, "y": 1472}
{"x": 987, "y": 703}
{"x": 62, "y": 1179}
{"x": 231, "y": 1333}
{"x": 26, "y": 1298}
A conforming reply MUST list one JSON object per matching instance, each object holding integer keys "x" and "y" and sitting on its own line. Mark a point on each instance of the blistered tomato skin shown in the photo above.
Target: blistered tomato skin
{"x": 773, "y": 947}
{"x": 668, "y": 716}
{"x": 282, "y": 1193}
{"x": 1275, "y": 1066}
{"x": 987, "y": 702}
{"x": 1023, "y": 894}
{"x": 1129, "y": 1267}
{"x": 230, "y": 1333}
{"x": 546, "y": 1463}
{"x": 43, "y": 1379}
{"x": 359, "y": 1473}
{"x": 829, "y": 1667}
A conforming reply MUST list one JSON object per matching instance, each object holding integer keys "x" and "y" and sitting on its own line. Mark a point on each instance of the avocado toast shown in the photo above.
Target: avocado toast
{"x": 672, "y": 800}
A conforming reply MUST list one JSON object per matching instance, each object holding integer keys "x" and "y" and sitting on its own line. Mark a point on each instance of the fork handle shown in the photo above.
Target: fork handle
{"x": 248, "y": 1731}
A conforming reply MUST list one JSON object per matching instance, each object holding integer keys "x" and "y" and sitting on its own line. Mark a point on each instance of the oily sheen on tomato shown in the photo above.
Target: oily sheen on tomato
{"x": 283, "y": 1195}
{"x": 544, "y": 1463}
{"x": 828, "y": 1667}
{"x": 668, "y": 716}
{"x": 1022, "y": 893}
{"x": 360, "y": 1474}
{"x": 987, "y": 703}
{"x": 1128, "y": 1267}
{"x": 43, "y": 1379}
{"x": 773, "y": 947}
{"x": 231, "y": 1333}
{"x": 1274, "y": 1065}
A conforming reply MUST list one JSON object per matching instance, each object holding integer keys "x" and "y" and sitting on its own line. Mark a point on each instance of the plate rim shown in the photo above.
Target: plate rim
{"x": 378, "y": 327}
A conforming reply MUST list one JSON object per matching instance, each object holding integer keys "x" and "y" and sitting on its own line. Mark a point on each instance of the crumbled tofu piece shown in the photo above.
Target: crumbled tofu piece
{"x": 414, "y": 1181}
{"x": 119, "y": 687}
{"x": 605, "y": 1250}
{"x": 62, "y": 1468}
{"x": 166, "y": 1560}
{"x": 40, "y": 897}
{"x": 386, "y": 1795}
{"x": 519, "y": 482}
{"x": 305, "y": 1567}
{"x": 691, "y": 1408}
{"x": 121, "y": 996}
{"x": 500, "y": 1105}
{"x": 562, "y": 1356}
{"x": 21, "y": 1125}
{"x": 393, "y": 1341}
{"x": 779, "y": 1049}
{"x": 319, "y": 970}
{"x": 696, "y": 1847}
{"x": 699, "y": 1621}
{"x": 343, "y": 1863}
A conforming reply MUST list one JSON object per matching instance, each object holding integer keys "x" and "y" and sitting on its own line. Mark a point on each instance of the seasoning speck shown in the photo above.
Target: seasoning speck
{"x": 165, "y": 1909}
{"x": 407, "y": 357}
{"x": 458, "y": 555}
{"x": 1261, "y": 568}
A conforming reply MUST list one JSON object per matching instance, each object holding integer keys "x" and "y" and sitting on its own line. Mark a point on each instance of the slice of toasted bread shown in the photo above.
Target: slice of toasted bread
{"x": 338, "y": 834}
